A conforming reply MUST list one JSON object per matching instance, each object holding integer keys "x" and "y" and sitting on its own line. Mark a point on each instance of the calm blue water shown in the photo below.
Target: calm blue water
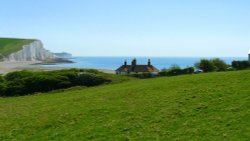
{"x": 114, "y": 62}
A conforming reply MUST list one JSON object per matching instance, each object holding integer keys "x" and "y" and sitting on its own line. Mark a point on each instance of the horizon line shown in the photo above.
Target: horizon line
{"x": 165, "y": 56}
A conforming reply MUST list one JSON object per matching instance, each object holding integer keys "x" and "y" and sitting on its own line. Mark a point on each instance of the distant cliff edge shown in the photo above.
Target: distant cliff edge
{"x": 33, "y": 51}
{"x": 13, "y": 50}
{"x": 63, "y": 55}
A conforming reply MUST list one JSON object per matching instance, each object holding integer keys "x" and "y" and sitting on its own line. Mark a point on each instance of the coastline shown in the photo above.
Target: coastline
{"x": 6, "y": 67}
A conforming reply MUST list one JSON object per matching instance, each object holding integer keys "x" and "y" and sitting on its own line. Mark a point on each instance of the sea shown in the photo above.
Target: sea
{"x": 112, "y": 63}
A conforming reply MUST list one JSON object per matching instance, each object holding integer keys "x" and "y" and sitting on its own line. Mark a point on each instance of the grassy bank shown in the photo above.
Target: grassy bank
{"x": 10, "y": 45}
{"x": 212, "y": 106}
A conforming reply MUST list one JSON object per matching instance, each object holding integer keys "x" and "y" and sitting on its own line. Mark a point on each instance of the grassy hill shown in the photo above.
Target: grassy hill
{"x": 213, "y": 106}
{"x": 10, "y": 45}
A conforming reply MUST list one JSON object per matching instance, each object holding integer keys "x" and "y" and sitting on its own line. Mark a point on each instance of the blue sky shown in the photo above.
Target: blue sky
{"x": 189, "y": 28}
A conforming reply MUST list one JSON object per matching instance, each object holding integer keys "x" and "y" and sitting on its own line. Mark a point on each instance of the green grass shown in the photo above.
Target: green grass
{"x": 10, "y": 45}
{"x": 213, "y": 106}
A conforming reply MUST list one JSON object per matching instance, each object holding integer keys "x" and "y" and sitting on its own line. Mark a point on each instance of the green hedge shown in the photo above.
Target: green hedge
{"x": 240, "y": 65}
{"x": 176, "y": 71}
{"x": 143, "y": 75}
{"x": 28, "y": 82}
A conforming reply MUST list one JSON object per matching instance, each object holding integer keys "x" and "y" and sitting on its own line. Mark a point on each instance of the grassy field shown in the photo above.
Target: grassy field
{"x": 10, "y": 45}
{"x": 213, "y": 106}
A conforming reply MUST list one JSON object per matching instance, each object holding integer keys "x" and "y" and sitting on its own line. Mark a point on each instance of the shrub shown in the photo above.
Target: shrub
{"x": 240, "y": 65}
{"x": 147, "y": 75}
{"x": 143, "y": 75}
{"x": 219, "y": 64}
{"x": 176, "y": 71}
{"x": 90, "y": 80}
{"x": 188, "y": 70}
{"x": 1, "y": 79}
{"x": 15, "y": 88}
{"x": 3, "y": 88}
{"x": 173, "y": 70}
{"x": 206, "y": 65}
{"x": 211, "y": 65}
{"x": 17, "y": 75}
{"x": 45, "y": 83}
{"x": 163, "y": 73}
{"x": 28, "y": 82}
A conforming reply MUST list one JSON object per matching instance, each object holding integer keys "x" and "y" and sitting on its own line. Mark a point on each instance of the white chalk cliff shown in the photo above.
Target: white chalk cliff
{"x": 31, "y": 52}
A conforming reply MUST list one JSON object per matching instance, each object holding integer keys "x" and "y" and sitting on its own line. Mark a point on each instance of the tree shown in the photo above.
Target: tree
{"x": 219, "y": 64}
{"x": 206, "y": 65}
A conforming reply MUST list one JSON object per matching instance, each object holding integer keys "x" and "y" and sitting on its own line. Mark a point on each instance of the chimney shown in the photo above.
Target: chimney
{"x": 125, "y": 63}
{"x": 134, "y": 63}
{"x": 149, "y": 62}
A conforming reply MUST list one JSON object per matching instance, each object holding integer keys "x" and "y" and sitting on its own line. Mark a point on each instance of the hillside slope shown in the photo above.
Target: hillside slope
{"x": 14, "y": 50}
{"x": 214, "y": 106}
{"x": 11, "y": 45}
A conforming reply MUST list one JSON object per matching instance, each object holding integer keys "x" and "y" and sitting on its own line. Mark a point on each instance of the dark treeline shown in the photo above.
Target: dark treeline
{"x": 205, "y": 65}
{"x": 240, "y": 65}
{"x": 211, "y": 65}
{"x": 27, "y": 82}
{"x": 176, "y": 70}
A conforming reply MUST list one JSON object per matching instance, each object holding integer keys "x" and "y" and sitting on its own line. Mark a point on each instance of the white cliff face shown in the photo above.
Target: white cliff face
{"x": 31, "y": 52}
